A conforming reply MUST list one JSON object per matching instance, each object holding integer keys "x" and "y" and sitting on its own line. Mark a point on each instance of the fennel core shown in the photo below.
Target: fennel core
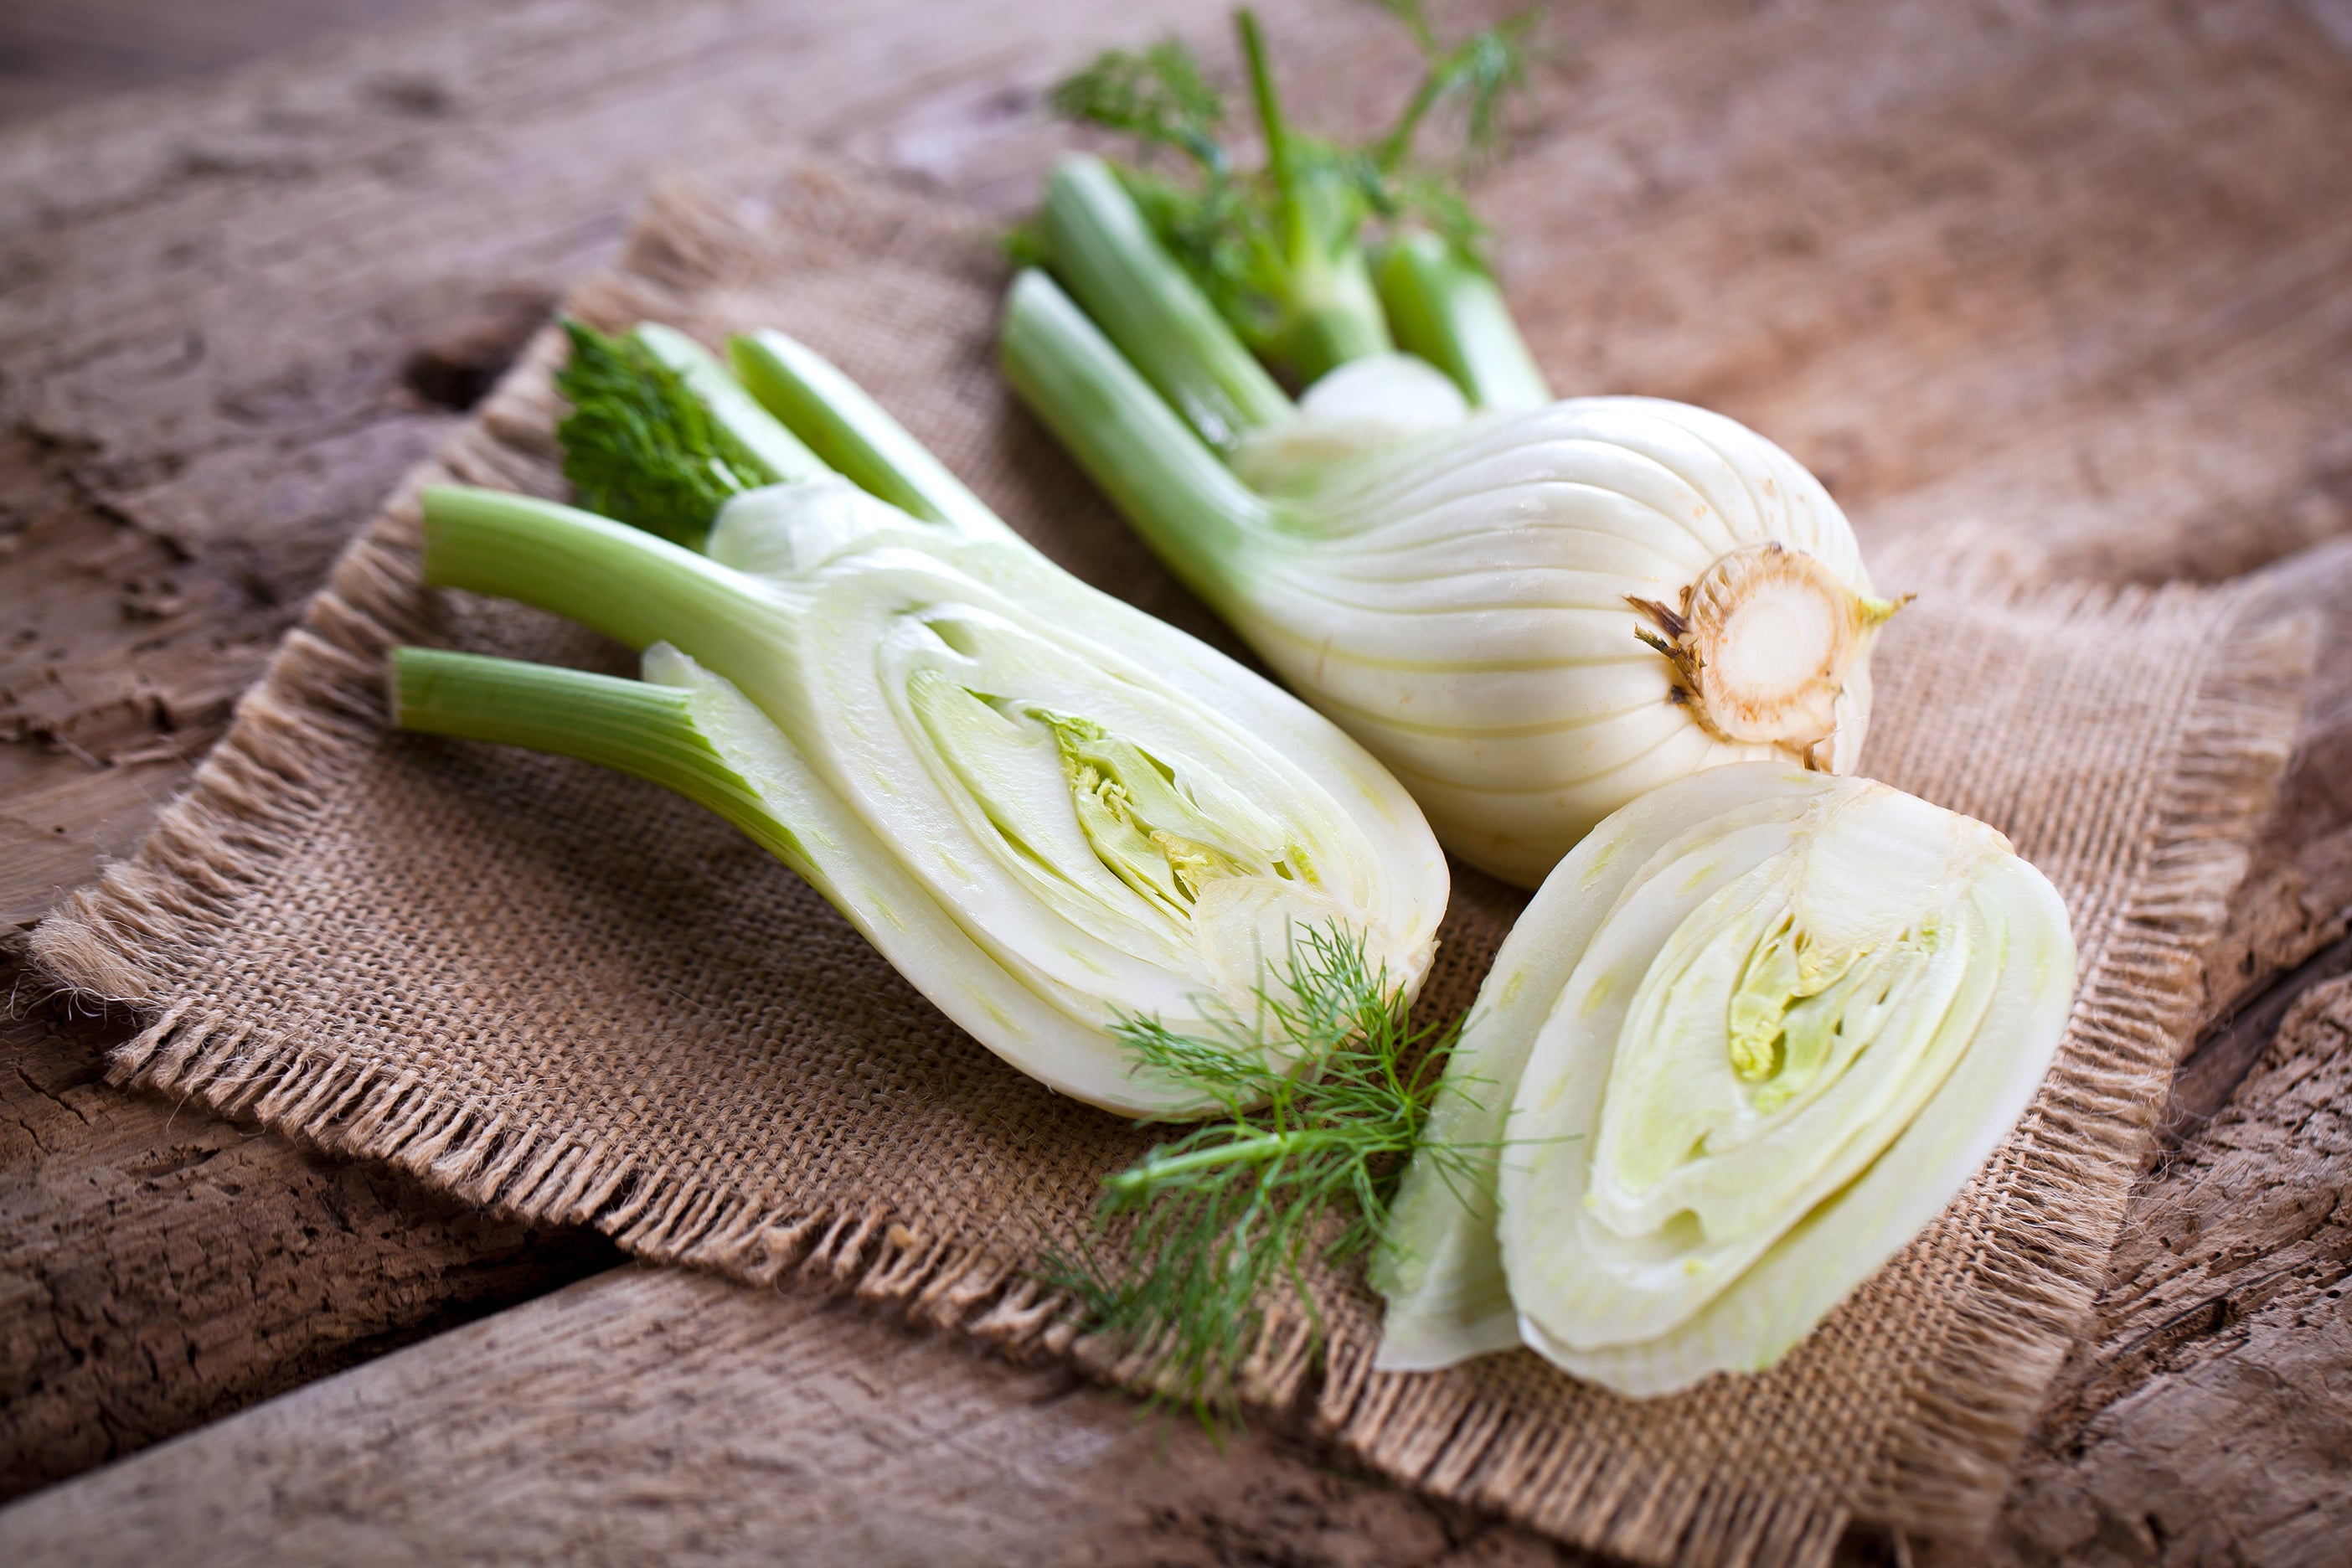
{"x": 1763, "y": 646}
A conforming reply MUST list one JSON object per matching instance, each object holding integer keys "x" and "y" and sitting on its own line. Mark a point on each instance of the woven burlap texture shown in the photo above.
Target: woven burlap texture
{"x": 569, "y": 994}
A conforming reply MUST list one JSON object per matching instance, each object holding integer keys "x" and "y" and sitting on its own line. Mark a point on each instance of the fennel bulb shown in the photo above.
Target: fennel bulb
{"x": 1531, "y": 615}
{"x": 1750, "y": 1038}
{"x": 1050, "y": 812}
{"x": 1531, "y": 611}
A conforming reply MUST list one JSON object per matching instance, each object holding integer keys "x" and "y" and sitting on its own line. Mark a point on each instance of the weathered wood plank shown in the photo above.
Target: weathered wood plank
{"x": 2297, "y": 896}
{"x": 2204, "y": 1415}
{"x": 162, "y": 1268}
{"x": 2063, "y": 276}
{"x": 2049, "y": 280}
{"x": 2206, "y": 1423}
{"x": 653, "y": 1415}
{"x": 57, "y": 52}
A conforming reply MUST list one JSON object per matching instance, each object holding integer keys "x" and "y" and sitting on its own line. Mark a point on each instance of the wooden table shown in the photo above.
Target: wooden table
{"x": 2078, "y": 281}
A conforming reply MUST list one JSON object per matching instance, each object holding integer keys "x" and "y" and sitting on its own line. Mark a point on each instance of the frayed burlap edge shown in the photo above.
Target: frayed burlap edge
{"x": 2080, "y": 1149}
{"x": 315, "y": 719}
{"x": 316, "y": 716}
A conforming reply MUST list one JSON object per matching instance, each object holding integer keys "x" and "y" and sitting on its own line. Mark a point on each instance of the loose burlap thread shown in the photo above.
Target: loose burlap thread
{"x": 569, "y": 994}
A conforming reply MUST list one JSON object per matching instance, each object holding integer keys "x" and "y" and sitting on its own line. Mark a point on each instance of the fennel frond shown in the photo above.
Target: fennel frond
{"x": 1220, "y": 1224}
{"x": 640, "y": 447}
{"x": 1280, "y": 249}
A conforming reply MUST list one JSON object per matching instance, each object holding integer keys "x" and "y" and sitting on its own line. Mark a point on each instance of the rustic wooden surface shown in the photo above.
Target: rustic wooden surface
{"x": 2207, "y": 1423}
{"x": 58, "y": 52}
{"x": 589, "y": 1426}
{"x": 2072, "y": 280}
{"x": 165, "y": 1269}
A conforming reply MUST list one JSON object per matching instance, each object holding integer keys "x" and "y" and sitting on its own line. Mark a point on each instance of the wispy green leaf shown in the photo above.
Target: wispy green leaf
{"x": 640, "y": 447}
{"x": 1222, "y": 1225}
{"x": 1159, "y": 97}
{"x": 1470, "y": 83}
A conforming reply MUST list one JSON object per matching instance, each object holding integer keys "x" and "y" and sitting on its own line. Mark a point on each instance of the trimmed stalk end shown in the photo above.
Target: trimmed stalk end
{"x": 1763, "y": 644}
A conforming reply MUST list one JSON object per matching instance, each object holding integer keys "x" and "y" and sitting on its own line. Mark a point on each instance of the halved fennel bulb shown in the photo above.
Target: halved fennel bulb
{"x": 1532, "y": 617}
{"x": 1747, "y": 1041}
{"x": 1048, "y": 810}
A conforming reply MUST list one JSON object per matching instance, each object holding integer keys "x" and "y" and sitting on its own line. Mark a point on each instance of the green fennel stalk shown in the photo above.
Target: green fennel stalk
{"x": 1325, "y": 313}
{"x": 1283, "y": 254}
{"x": 631, "y": 726}
{"x": 1156, "y": 470}
{"x": 848, "y": 430}
{"x": 1446, "y": 308}
{"x": 622, "y": 580}
{"x": 1102, "y": 248}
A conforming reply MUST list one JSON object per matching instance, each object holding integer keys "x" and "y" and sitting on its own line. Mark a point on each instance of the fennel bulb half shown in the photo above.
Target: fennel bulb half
{"x": 1750, "y": 1038}
{"x": 1531, "y": 614}
{"x": 1051, "y": 812}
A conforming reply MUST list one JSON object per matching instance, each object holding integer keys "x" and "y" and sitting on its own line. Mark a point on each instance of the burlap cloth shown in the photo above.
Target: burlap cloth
{"x": 570, "y": 994}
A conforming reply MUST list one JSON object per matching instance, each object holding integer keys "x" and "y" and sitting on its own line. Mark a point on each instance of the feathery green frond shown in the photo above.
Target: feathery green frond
{"x": 640, "y": 447}
{"x": 1221, "y": 1221}
{"x": 1416, "y": 20}
{"x": 1472, "y": 80}
{"x": 1159, "y": 97}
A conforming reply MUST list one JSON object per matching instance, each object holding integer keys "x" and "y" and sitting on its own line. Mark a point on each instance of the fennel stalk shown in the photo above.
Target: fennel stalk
{"x": 1283, "y": 252}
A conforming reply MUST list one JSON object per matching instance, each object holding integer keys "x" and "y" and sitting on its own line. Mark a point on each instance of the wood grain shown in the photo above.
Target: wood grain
{"x": 57, "y": 52}
{"x": 164, "y": 1269}
{"x": 656, "y": 1416}
{"x": 2206, "y": 1421}
{"x": 2066, "y": 278}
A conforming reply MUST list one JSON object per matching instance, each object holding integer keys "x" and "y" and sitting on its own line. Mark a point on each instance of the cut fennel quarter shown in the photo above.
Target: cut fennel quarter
{"x": 1051, "y": 812}
{"x": 1042, "y": 832}
{"x": 1747, "y": 1041}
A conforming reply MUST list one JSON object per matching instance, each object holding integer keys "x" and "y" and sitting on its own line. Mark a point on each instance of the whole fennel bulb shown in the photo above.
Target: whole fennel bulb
{"x": 1747, "y": 1041}
{"x": 1052, "y": 813}
{"x": 1532, "y": 612}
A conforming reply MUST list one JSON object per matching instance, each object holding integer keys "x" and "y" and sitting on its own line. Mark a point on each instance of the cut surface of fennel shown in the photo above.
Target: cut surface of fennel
{"x": 1047, "y": 810}
{"x": 1747, "y": 1041}
{"x": 1532, "y": 616}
